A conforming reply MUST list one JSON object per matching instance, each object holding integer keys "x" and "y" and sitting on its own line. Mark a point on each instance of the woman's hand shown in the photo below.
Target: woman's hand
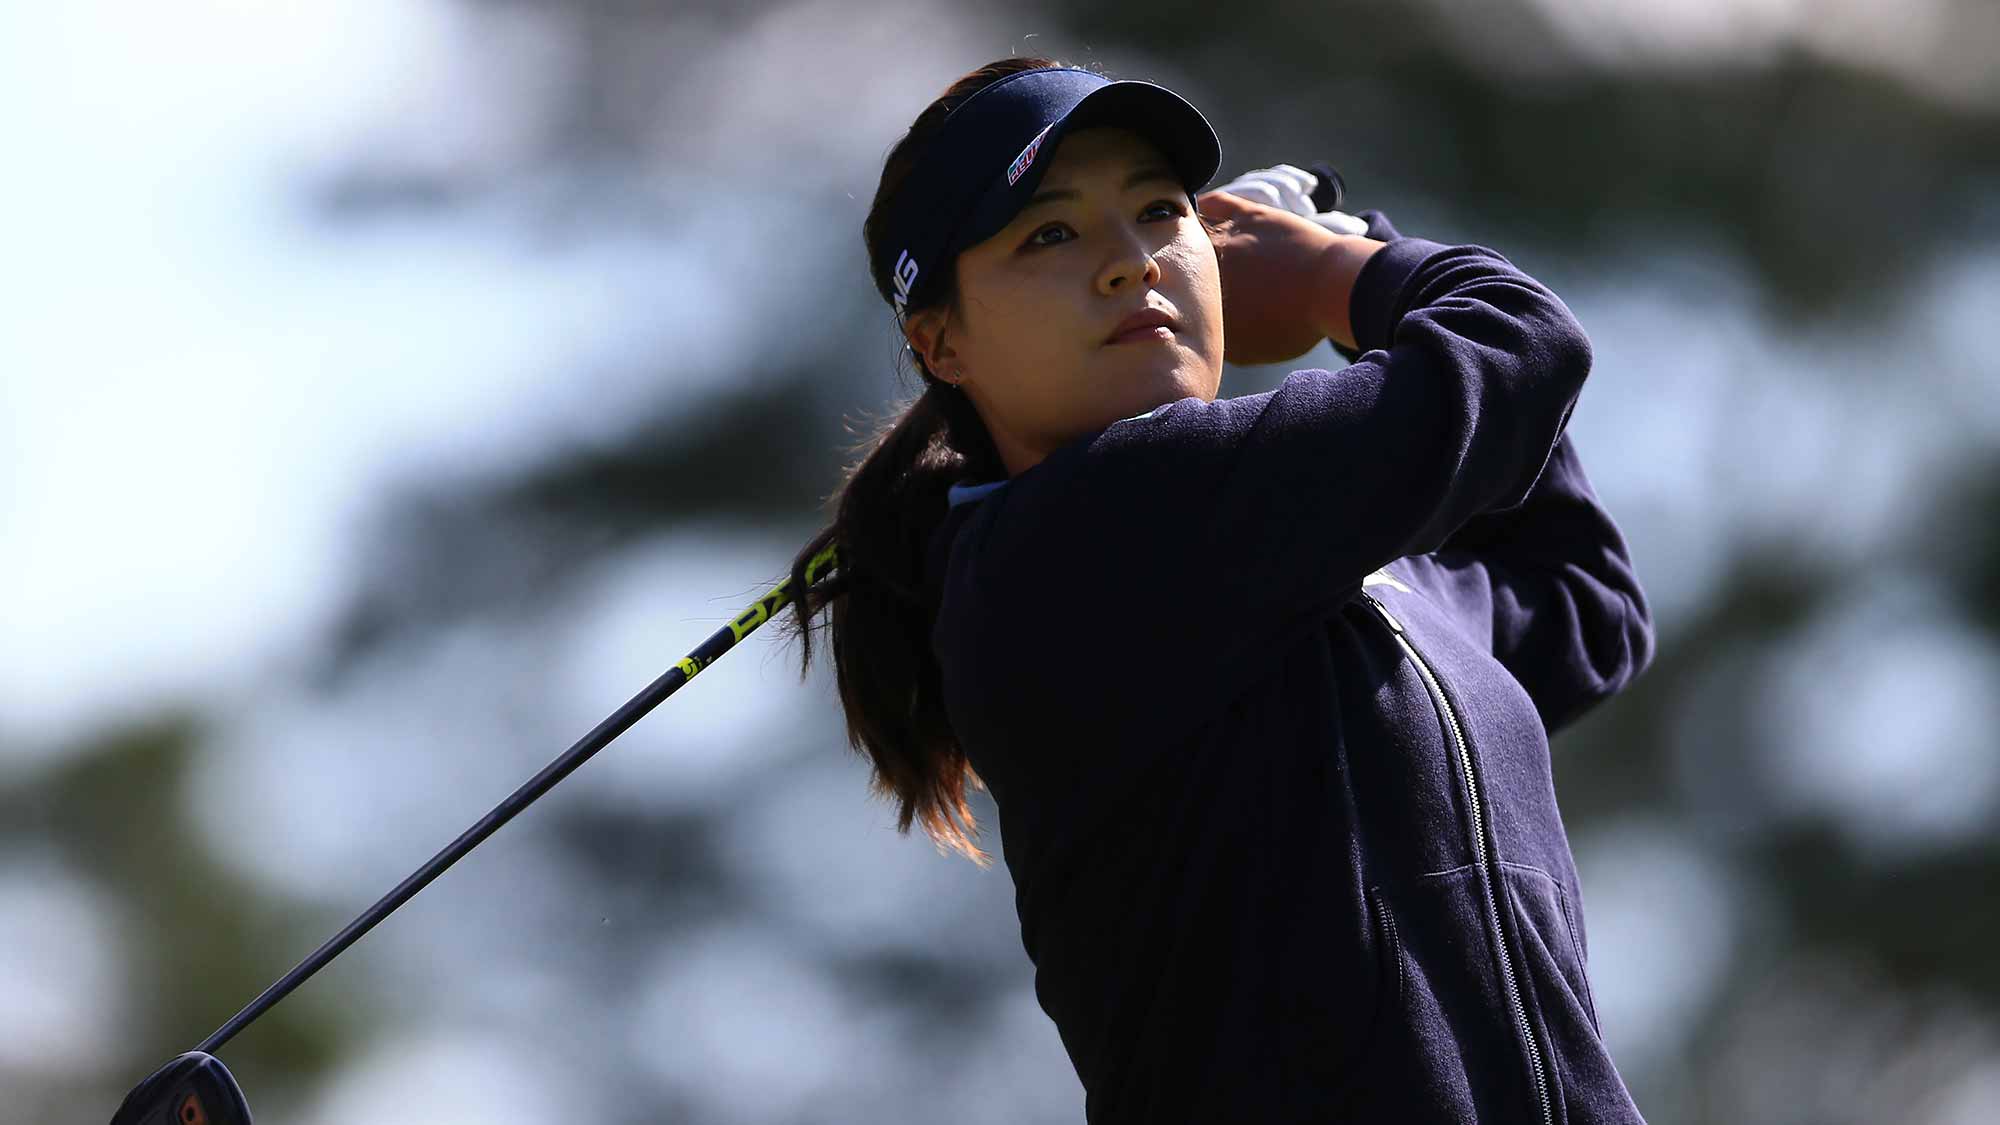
{"x": 1286, "y": 280}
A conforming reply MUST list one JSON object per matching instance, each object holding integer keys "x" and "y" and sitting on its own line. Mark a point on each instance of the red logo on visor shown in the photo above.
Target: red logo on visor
{"x": 1027, "y": 156}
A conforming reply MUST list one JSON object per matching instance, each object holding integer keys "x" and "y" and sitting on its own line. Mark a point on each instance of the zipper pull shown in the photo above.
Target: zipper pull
{"x": 1384, "y": 611}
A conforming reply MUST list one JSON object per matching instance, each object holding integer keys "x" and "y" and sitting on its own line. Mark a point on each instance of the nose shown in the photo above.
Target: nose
{"x": 1131, "y": 261}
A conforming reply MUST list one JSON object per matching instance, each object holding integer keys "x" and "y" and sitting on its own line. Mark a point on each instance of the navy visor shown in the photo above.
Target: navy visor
{"x": 986, "y": 161}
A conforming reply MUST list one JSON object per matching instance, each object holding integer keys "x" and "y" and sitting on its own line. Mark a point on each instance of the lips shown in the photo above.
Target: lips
{"x": 1146, "y": 318}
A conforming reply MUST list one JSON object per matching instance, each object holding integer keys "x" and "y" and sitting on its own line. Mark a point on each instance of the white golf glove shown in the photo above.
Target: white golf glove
{"x": 1290, "y": 188}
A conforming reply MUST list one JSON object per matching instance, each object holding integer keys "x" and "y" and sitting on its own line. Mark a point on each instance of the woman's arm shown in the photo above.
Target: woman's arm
{"x": 1550, "y": 584}
{"x": 1164, "y": 552}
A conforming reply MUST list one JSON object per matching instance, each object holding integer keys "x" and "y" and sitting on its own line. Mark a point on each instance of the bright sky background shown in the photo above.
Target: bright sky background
{"x": 206, "y": 387}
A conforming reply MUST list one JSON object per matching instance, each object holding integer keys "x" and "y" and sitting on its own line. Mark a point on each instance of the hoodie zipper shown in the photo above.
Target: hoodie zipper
{"x": 1487, "y": 861}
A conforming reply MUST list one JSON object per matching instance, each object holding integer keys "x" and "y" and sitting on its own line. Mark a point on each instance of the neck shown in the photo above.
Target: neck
{"x": 1018, "y": 452}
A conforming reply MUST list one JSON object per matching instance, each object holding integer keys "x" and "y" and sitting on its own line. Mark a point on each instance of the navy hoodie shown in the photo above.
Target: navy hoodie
{"x": 1262, "y": 690}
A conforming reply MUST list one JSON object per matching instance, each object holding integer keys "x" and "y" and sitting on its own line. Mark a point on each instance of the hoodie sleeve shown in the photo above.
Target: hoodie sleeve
{"x": 1167, "y": 549}
{"x": 1550, "y": 585}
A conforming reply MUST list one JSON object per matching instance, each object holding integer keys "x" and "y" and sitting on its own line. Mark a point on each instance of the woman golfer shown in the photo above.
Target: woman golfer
{"x": 1261, "y": 686}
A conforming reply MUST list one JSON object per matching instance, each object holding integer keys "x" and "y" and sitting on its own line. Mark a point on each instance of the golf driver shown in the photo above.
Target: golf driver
{"x": 196, "y": 1089}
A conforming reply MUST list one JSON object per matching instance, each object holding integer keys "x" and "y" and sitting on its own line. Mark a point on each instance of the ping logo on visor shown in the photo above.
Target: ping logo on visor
{"x": 906, "y": 276}
{"x": 1027, "y": 156}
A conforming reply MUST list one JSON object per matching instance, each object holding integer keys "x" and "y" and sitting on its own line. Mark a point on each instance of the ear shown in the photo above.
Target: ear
{"x": 925, "y": 330}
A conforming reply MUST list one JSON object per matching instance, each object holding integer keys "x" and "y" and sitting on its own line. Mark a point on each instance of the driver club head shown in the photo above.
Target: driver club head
{"x": 193, "y": 1089}
{"x": 1328, "y": 194}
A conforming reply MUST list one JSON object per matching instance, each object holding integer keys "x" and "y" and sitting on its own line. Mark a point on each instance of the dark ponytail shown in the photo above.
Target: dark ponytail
{"x": 891, "y": 501}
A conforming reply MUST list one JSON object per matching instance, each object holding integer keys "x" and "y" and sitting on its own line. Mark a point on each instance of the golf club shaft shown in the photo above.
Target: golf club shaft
{"x": 620, "y": 720}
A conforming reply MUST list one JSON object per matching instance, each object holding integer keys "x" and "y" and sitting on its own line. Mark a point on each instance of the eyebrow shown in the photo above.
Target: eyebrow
{"x": 1144, "y": 175}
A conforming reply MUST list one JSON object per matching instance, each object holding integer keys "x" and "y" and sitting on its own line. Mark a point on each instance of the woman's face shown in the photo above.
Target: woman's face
{"x": 1110, "y": 232}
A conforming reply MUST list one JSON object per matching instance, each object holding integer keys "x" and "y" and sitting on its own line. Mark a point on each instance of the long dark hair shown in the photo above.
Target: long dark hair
{"x": 885, "y": 511}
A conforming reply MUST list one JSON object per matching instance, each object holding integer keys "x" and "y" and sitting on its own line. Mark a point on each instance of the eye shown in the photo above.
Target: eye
{"x": 1175, "y": 208}
{"x": 1036, "y": 239}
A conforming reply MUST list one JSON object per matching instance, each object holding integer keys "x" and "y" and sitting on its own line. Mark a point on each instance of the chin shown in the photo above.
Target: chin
{"x": 1156, "y": 390}
{"x": 1186, "y": 379}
